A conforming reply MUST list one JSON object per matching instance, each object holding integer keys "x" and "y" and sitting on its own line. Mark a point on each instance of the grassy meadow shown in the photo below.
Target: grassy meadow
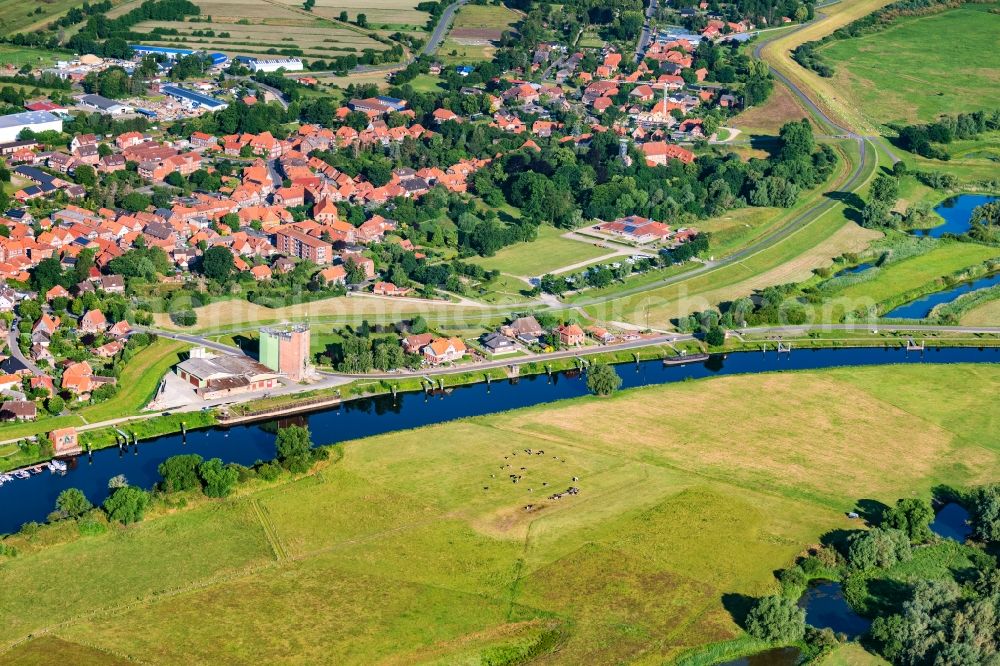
{"x": 922, "y": 66}
{"x": 414, "y": 547}
{"x": 549, "y": 252}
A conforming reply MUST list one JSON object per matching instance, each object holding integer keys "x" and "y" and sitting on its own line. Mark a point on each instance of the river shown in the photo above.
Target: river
{"x": 33, "y": 498}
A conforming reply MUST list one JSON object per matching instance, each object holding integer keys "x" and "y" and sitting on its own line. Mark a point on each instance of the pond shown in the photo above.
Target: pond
{"x": 956, "y": 213}
{"x": 826, "y": 608}
{"x": 952, "y": 522}
{"x": 34, "y": 498}
{"x": 786, "y": 656}
{"x": 853, "y": 269}
{"x": 922, "y": 307}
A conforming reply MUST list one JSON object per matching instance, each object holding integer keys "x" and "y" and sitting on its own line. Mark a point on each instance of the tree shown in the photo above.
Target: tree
{"x": 127, "y": 505}
{"x": 362, "y": 21}
{"x": 876, "y": 214}
{"x": 54, "y": 404}
{"x": 777, "y": 619}
{"x": 219, "y": 479}
{"x": 180, "y": 472}
{"x": 294, "y": 448}
{"x": 912, "y": 516}
{"x": 716, "y": 336}
{"x": 47, "y": 274}
{"x": 342, "y": 16}
{"x": 418, "y": 325}
{"x": 85, "y": 175}
{"x": 72, "y": 503}
{"x": 231, "y": 220}
{"x": 877, "y": 548}
{"x": 135, "y": 202}
{"x": 602, "y": 379}
{"x": 885, "y": 189}
{"x": 217, "y": 263}
{"x": 986, "y": 513}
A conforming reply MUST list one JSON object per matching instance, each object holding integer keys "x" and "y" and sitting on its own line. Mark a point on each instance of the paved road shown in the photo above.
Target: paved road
{"x": 668, "y": 338}
{"x": 647, "y": 32}
{"x": 192, "y": 339}
{"x": 441, "y": 29}
{"x": 15, "y": 350}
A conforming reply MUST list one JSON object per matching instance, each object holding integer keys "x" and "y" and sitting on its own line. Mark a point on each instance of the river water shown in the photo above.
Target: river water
{"x": 30, "y": 499}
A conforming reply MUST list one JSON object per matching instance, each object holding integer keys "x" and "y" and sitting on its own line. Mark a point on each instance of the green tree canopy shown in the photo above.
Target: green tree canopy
{"x": 127, "y": 504}
{"x": 294, "y": 448}
{"x": 73, "y": 503}
{"x": 776, "y": 619}
{"x": 180, "y": 472}
{"x": 602, "y": 379}
{"x": 878, "y": 548}
{"x": 219, "y": 479}
{"x": 912, "y": 516}
{"x": 217, "y": 263}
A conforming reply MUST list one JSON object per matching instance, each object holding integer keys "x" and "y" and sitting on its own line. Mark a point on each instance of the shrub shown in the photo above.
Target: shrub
{"x": 184, "y": 317}
{"x": 877, "y": 548}
{"x": 776, "y": 619}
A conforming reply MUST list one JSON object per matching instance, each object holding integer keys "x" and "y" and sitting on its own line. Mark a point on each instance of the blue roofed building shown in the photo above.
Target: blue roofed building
{"x": 193, "y": 99}
{"x": 171, "y": 53}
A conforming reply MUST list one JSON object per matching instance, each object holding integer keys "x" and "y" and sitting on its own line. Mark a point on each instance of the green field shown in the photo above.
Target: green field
{"x": 19, "y": 56}
{"x": 547, "y": 253}
{"x": 898, "y": 279}
{"x": 17, "y": 16}
{"x": 922, "y": 66}
{"x": 987, "y": 314}
{"x": 396, "y": 553}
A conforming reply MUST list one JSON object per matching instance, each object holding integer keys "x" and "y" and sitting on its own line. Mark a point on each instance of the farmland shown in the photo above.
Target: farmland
{"x": 893, "y": 75}
{"x": 474, "y": 32}
{"x": 263, "y": 27}
{"x": 16, "y": 16}
{"x": 312, "y": 38}
{"x": 635, "y": 567}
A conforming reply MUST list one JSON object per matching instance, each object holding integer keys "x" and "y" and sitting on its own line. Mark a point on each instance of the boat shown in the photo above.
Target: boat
{"x": 685, "y": 358}
{"x": 4, "y": 478}
{"x": 22, "y": 474}
{"x": 57, "y": 466}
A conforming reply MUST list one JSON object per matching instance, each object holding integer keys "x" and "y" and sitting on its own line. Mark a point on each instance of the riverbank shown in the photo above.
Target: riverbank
{"x": 670, "y": 477}
{"x": 144, "y": 427}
